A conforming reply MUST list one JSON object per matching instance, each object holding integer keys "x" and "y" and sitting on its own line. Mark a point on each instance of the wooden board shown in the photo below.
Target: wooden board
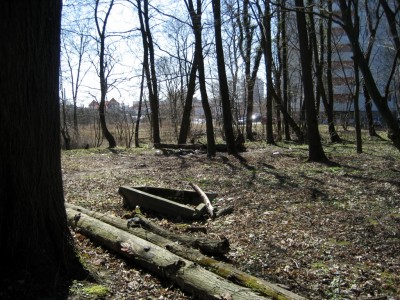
{"x": 148, "y": 198}
{"x": 181, "y": 196}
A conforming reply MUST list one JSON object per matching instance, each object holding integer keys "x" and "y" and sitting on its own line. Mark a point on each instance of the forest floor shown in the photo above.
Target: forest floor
{"x": 323, "y": 232}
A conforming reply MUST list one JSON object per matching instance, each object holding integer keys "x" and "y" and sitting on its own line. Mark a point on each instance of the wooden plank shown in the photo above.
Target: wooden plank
{"x": 181, "y": 196}
{"x": 146, "y": 201}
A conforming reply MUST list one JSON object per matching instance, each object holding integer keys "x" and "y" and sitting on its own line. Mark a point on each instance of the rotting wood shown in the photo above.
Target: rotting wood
{"x": 221, "y": 268}
{"x": 206, "y": 245}
{"x": 205, "y": 199}
{"x": 133, "y": 197}
{"x": 166, "y": 202}
{"x": 189, "y": 276}
{"x": 177, "y": 195}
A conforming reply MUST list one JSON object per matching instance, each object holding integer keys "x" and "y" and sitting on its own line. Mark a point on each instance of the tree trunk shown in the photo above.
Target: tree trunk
{"x": 189, "y": 276}
{"x": 285, "y": 76}
{"x": 245, "y": 45}
{"x": 329, "y": 105}
{"x": 139, "y": 111}
{"x": 197, "y": 29}
{"x": 357, "y": 87}
{"x": 223, "y": 82}
{"x": 149, "y": 67}
{"x": 315, "y": 150}
{"x": 357, "y": 109}
{"x": 319, "y": 63}
{"x": 368, "y": 111}
{"x": 36, "y": 243}
{"x": 64, "y": 126}
{"x": 185, "y": 124}
{"x": 101, "y": 30}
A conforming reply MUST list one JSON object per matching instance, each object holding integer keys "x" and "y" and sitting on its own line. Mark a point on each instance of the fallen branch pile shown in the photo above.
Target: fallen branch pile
{"x": 192, "y": 271}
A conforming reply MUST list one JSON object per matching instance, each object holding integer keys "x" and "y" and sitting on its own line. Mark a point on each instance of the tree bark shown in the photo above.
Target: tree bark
{"x": 139, "y": 110}
{"x": 189, "y": 276}
{"x": 329, "y": 105}
{"x": 101, "y": 31}
{"x": 185, "y": 124}
{"x": 197, "y": 30}
{"x": 315, "y": 150}
{"x": 267, "y": 41}
{"x": 223, "y": 82}
{"x": 149, "y": 67}
{"x": 319, "y": 63}
{"x": 35, "y": 240}
{"x": 285, "y": 76}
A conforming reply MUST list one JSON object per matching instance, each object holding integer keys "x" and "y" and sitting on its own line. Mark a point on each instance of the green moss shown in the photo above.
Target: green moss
{"x": 373, "y": 222}
{"x": 339, "y": 242}
{"x": 319, "y": 265}
{"x": 96, "y": 290}
{"x": 254, "y": 284}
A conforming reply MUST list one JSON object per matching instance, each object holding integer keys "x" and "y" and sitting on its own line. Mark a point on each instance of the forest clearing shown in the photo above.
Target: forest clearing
{"x": 321, "y": 231}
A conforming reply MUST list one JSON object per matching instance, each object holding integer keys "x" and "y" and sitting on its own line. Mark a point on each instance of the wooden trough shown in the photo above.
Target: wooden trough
{"x": 169, "y": 202}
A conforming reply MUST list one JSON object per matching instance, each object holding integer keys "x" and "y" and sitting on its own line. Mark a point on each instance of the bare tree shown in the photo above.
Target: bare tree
{"x": 285, "y": 71}
{"x": 223, "y": 82}
{"x": 195, "y": 16}
{"x": 315, "y": 150}
{"x": 191, "y": 87}
{"x": 64, "y": 125}
{"x": 266, "y": 42}
{"x": 246, "y": 37}
{"x": 380, "y": 100}
{"x": 104, "y": 68}
{"x": 149, "y": 67}
{"x": 75, "y": 41}
{"x": 139, "y": 110}
{"x": 318, "y": 55}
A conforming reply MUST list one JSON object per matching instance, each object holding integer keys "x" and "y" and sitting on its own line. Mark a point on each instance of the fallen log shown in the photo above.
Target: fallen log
{"x": 189, "y": 276}
{"x": 205, "y": 199}
{"x": 221, "y": 268}
{"x": 206, "y": 245}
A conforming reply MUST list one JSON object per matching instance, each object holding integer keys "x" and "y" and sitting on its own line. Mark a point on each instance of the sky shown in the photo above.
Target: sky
{"x": 126, "y": 53}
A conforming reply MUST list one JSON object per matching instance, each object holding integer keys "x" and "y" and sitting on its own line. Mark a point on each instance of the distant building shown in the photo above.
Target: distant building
{"x": 343, "y": 64}
{"x": 94, "y": 105}
{"x": 111, "y": 105}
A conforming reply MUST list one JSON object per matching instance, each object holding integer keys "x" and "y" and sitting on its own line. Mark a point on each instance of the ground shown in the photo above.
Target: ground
{"x": 322, "y": 231}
